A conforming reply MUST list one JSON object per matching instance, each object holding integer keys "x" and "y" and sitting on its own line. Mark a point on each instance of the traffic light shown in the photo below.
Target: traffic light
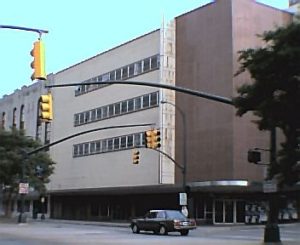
{"x": 152, "y": 138}
{"x": 254, "y": 156}
{"x": 39, "y": 172}
{"x": 136, "y": 157}
{"x": 38, "y": 63}
{"x": 46, "y": 110}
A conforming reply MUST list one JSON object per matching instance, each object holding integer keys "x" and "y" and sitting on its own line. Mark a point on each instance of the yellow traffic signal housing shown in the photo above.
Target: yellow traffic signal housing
{"x": 38, "y": 63}
{"x": 46, "y": 108}
{"x": 136, "y": 157}
{"x": 149, "y": 139}
{"x": 152, "y": 139}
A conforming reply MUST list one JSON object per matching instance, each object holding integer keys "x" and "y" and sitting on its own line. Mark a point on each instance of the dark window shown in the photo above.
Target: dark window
{"x": 154, "y": 63}
{"x": 87, "y": 117}
{"x": 3, "y": 120}
{"x": 109, "y": 144}
{"x": 98, "y": 146}
{"x": 137, "y": 139}
{"x": 116, "y": 143}
{"x": 111, "y": 110}
{"x": 81, "y": 118}
{"x": 112, "y": 76}
{"x": 146, "y": 65}
{"x": 117, "y": 108}
{"x": 123, "y": 142}
{"x": 99, "y": 79}
{"x": 129, "y": 140}
{"x": 99, "y": 113}
{"x": 138, "y": 103}
{"x": 137, "y": 68}
{"x": 86, "y": 148}
{"x": 124, "y": 106}
{"x": 124, "y": 72}
{"x": 130, "y": 105}
{"x": 14, "y": 124}
{"x": 92, "y": 147}
{"x": 146, "y": 102}
{"x": 118, "y": 74}
{"x": 93, "y": 115}
{"x": 104, "y": 111}
{"x": 131, "y": 70}
{"x": 104, "y": 145}
{"x": 105, "y": 77}
{"x": 153, "y": 99}
{"x": 80, "y": 150}
{"x": 75, "y": 150}
{"x": 22, "y": 120}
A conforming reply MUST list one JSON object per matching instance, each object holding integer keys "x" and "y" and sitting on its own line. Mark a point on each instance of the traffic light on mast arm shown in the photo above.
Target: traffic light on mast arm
{"x": 152, "y": 138}
{"x": 38, "y": 63}
{"x": 46, "y": 108}
{"x": 136, "y": 156}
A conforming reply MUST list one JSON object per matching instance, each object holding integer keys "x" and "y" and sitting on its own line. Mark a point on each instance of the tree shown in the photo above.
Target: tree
{"x": 14, "y": 146}
{"x": 274, "y": 95}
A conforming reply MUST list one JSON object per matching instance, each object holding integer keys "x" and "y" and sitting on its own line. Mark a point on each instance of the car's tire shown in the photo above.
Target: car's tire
{"x": 162, "y": 230}
{"x": 135, "y": 228}
{"x": 184, "y": 232}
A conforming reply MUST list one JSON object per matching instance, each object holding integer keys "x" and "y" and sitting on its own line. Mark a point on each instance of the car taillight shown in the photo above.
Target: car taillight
{"x": 193, "y": 222}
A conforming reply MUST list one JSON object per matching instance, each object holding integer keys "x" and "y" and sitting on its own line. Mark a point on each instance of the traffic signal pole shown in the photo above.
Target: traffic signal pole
{"x": 197, "y": 93}
{"x": 39, "y": 31}
{"x": 85, "y": 132}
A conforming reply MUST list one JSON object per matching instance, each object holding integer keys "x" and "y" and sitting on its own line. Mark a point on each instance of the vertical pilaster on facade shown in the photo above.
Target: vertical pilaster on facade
{"x": 167, "y": 76}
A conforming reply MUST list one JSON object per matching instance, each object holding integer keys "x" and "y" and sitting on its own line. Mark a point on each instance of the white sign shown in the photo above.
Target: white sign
{"x": 182, "y": 199}
{"x": 270, "y": 186}
{"x": 23, "y": 188}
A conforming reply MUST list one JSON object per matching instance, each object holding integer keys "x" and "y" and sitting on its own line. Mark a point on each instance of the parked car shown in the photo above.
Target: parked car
{"x": 163, "y": 221}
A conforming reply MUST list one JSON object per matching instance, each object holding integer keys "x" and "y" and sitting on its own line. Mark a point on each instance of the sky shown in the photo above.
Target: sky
{"x": 78, "y": 30}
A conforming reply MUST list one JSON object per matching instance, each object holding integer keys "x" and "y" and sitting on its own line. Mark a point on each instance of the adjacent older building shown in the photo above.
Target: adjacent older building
{"x": 95, "y": 177}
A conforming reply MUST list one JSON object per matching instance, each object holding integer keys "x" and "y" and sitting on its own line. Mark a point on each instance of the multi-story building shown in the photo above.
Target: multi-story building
{"x": 94, "y": 176}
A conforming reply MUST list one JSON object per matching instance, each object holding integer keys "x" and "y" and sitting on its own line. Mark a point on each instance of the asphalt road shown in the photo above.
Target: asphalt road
{"x": 60, "y": 233}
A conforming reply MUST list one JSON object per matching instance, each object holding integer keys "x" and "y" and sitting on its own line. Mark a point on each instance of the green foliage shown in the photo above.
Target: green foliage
{"x": 13, "y": 147}
{"x": 274, "y": 95}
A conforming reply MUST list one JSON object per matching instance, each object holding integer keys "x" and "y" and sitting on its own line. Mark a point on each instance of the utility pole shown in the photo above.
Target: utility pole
{"x": 272, "y": 233}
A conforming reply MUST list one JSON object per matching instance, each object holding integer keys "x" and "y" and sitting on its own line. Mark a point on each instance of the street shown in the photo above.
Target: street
{"x": 60, "y": 232}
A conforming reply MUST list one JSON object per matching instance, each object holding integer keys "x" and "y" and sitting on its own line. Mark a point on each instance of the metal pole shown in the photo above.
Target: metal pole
{"x": 22, "y": 217}
{"x": 272, "y": 233}
{"x": 184, "y": 168}
{"x": 43, "y": 207}
{"x": 201, "y": 94}
{"x": 23, "y": 28}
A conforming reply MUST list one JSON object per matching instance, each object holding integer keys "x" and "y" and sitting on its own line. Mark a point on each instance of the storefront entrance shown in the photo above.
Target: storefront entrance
{"x": 228, "y": 211}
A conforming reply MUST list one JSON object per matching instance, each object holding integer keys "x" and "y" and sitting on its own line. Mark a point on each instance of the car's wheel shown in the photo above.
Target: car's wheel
{"x": 162, "y": 230}
{"x": 184, "y": 232}
{"x": 135, "y": 228}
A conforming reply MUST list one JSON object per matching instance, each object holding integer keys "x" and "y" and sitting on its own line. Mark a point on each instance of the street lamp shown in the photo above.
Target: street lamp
{"x": 184, "y": 168}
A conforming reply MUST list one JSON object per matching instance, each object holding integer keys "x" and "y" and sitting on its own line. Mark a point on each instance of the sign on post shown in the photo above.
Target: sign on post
{"x": 23, "y": 188}
{"x": 270, "y": 186}
{"x": 182, "y": 199}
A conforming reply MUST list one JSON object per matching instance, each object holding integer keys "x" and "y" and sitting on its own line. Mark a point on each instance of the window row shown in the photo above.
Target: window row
{"x": 108, "y": 145}
{"x": 14, "y": 119}
{"x": 117, "y": 109}
{"x": 122, "y": 73}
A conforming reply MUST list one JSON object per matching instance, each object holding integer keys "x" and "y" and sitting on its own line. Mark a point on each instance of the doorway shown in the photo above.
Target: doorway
{"x": 228, "y": 211}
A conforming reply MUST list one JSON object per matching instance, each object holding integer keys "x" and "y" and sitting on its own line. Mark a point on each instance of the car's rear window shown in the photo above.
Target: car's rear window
{"x": 173, "y": 214}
